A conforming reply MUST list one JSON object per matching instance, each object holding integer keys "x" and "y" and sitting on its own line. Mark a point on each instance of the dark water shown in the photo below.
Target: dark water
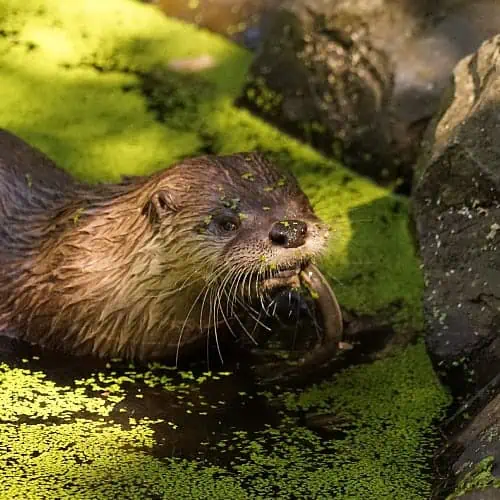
{"x": 221, "y": 403}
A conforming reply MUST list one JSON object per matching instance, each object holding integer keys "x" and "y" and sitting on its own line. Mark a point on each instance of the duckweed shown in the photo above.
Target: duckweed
{"x": 384, "y": 413}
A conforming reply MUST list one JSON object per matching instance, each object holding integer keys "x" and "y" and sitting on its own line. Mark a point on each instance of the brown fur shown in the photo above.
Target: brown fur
{"x": 138, "y": 268}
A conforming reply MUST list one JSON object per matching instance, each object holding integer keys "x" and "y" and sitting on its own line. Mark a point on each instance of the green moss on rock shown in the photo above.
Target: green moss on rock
{"x": 479, "y": 478}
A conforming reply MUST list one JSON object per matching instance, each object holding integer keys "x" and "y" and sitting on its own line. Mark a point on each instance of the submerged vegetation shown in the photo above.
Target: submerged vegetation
{"x": 86, "y": 83}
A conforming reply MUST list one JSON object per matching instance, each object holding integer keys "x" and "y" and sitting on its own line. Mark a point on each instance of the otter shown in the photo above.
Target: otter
{"x": 140, "y": 268}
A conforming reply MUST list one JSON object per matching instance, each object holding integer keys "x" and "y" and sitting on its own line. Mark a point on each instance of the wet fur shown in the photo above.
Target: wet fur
{"x": 135, "y": 269}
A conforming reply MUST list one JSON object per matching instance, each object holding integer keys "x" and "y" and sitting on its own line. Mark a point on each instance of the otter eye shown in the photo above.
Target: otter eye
{"x": 227, "y": 223}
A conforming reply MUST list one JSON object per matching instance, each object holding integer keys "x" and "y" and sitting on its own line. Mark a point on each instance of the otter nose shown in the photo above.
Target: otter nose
{"x": 288, "y": 233}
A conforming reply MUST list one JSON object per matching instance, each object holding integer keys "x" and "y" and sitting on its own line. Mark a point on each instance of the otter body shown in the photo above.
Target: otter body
{"x": 141, "y": 268}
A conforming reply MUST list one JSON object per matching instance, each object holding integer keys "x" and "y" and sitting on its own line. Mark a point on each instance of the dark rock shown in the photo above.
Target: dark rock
{"x": 483, "y": 494}
{"x": 361, "y": 78}
{"x": 469, "y": 461}
{"x": 456, "y": 204}
{"x": 321, "y": 78}
{"x": 480, "y": 440}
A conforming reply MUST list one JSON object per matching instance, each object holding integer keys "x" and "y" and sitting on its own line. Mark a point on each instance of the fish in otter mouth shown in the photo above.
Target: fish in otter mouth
{"x": 151, "y": 265}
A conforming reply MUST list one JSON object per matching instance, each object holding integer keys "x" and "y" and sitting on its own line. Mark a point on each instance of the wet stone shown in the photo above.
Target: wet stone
{"x": 456, "y": 206}
{"x": 360, "y": 79}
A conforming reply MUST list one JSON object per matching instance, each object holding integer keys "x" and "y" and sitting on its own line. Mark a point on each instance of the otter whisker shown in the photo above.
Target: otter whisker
{"x": 223, "y": 290}
{"x": 254, "y": 314}
{"x": 257, "y": 323}
{"x": 211, "y": 318}
{"x": 275, "y": 304}
{"x": 297, "y": 307}
{"x": 250, "y": 280}
{"x": 241, "y": 300}
{"x": 217, "y": 307}
{"x": 257, "y": 320}
{"x": 206, "y": 286}
{"x": 213, "y": 312}
{"x": 245, "y": 330}
{"x": 235, "y": 287}
{"x": 208, "y": 289}
{"x": 250, "y": 312}
{"x": 175, "y": 289}
{"x": 239, "y": 273}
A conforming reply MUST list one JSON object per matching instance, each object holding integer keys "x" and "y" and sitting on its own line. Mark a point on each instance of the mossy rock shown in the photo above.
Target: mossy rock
{"x": 88, "y": 84}
{"x": 480, "y": 478}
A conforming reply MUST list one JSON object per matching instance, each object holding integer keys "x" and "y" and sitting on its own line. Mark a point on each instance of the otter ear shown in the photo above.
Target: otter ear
{"x": 160, "y": 205}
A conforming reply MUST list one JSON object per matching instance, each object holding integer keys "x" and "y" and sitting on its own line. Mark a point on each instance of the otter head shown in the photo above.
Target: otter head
{"x": 237, "y": 223}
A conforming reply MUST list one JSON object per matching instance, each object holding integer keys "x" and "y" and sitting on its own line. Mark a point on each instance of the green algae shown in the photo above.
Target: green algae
{"x": 30, "y": 395}
{"x": 385, "y": 441}
{"x": 386, "y": 412}
{"x": 88, "y": 460}
{"x": 72, "y": 67}
{"x": 86, "y": 82}
{"x": 480, "y": 477}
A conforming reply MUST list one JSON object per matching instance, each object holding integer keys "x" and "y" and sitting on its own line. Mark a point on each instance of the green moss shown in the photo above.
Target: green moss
{"x": 265, "y": 99}
{"x": 66, "y": 443}
{"x": 479, "y": 478}
{"x": 31, "y": 396}
{"x": 383, "y": 421}
{"x": 89, "y": 460}
{"x": 68, "y": 82}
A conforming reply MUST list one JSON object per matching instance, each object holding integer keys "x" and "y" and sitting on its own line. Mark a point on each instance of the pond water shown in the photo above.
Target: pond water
{"x": 81, "y": 421}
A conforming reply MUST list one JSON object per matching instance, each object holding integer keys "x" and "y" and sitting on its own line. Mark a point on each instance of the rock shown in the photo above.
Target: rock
{"x": 482, "y": 494}
{"x": 456, "y": 205}
{"x": 360, "y": 79}
{"x": 320, "y": 78}
{"x": 456, "y": 202}
{"x": 480, "y": 440}
{"x": 472, "y": 456}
